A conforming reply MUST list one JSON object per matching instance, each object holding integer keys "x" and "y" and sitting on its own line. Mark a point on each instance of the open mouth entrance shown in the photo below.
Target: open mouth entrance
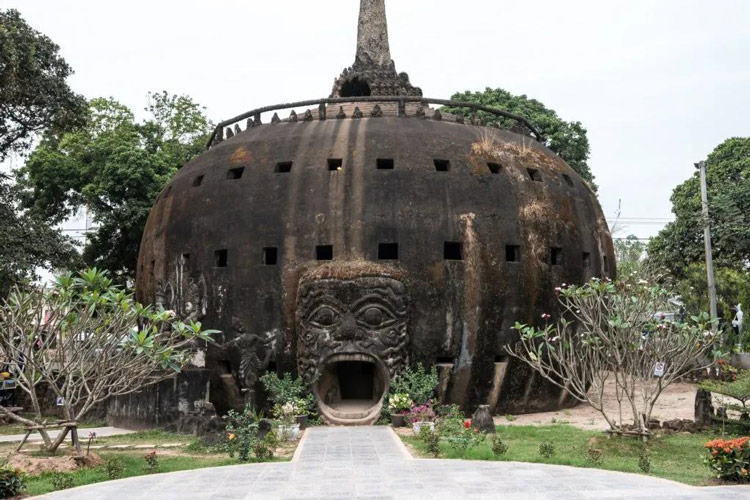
{"x": 351, "y": 389}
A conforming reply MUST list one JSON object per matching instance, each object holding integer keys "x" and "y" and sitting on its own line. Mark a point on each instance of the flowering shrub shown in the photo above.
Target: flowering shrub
{"x": 399, "y": 403}
{"x": 418, "y": 384}
{"x": 421, "y": 413}
{"x": 287, "y": 411}
{"x": 729, "y": 458}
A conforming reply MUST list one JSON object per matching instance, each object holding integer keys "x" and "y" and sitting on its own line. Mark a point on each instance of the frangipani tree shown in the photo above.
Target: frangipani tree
{"x": 616, "y": 333}
{"x": 86, "y": 340}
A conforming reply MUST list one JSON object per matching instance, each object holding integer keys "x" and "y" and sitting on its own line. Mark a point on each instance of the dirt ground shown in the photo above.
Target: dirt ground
{"x": 61, "y": 463}
{"x": 676, "y": 402}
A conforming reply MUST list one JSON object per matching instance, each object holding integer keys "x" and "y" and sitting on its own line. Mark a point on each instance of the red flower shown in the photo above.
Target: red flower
{"x": 467, "y": 424}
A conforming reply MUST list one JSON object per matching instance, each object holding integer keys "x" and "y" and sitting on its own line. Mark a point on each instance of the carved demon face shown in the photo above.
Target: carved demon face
{"x": 359, "y": 315}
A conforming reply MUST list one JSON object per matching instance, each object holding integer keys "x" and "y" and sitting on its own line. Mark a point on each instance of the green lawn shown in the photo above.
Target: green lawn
{"x": 192, "y": 456}
{"x": 133, "y": 462}
{"x": 678, "y": 457}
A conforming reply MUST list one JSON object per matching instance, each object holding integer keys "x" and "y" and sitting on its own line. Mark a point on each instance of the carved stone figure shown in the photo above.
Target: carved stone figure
{"x": 360, "y": 321}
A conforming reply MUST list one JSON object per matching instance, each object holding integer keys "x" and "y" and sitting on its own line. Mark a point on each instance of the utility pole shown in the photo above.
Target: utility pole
{"x": 701, "y": 166}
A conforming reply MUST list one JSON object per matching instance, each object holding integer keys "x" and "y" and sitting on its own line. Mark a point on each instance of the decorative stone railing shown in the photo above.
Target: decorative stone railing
{"x": 522, "y": 125}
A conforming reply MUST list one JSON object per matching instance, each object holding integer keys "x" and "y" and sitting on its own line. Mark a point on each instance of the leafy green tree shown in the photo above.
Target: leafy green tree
{"x": 34, "y": 93}
{"x": 115, "y": 167}
{"x": 567, "y": 139}
{"x": 27, "y": 243}
{"x": 630, "y": 253}
{"x": 732, "y": 288}
{"x": 680, "y": 244}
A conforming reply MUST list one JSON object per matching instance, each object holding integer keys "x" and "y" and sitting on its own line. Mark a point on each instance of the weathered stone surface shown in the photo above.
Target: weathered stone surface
{"x": 704, "y": 408}
{"x": 345, "y": 250}
{"x": 482, "y": 420}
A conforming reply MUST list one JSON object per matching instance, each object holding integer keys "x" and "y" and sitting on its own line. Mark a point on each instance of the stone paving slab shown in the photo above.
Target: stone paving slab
{"x": 371, "y": 463}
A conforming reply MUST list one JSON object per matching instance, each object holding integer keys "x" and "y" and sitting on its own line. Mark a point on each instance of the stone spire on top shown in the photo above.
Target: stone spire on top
{"x": 372, "y": 35}
{"x": 373, "y": 72}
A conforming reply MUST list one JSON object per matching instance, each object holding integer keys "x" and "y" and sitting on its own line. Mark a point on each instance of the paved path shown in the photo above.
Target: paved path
{"x": 371, "y": 463}
{"x": 82, "y": 432}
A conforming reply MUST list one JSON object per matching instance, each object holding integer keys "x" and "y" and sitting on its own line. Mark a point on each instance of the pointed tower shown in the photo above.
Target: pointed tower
{"x": 373, "y": 72}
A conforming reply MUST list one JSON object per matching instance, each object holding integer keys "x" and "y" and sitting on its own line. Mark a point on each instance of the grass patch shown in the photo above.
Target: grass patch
{"x": 133, "y": 463}
{"x": 191, "y": 456}
{"x": 678, "y": 457}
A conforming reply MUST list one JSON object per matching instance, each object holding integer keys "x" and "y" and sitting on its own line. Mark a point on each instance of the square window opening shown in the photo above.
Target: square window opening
{"x": 586, "y": 259}
{"x": 445, "y": 360}
{"x": 534, "y": 174}
{"x": 185, "y": 260}
{"x": 324, "y": 252}
{"x": 198, "y": 180}
{"x": 556, "y": 256}
{"x": 388, "y": 251}
{"x": 442, "y": 165}
{"x": 221, "y": 258}
{"x": 284, "y": 167}
{"x": 501, "y": 359}
{"x": 235, "y": 173}
{"x": 270, "y": 256}
{"x": 335, "y": 164}
{"x": 513, "y": 253}
{"x": 567, "y": 180}
{"x": 452, "y": 251}
{"x": 495, "y": 168}
{"x": 385, "y": 164}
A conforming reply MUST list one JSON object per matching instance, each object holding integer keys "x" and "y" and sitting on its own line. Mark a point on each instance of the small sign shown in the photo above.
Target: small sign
{"x": 60, "y": 401}
{"x": 659, "y": 368}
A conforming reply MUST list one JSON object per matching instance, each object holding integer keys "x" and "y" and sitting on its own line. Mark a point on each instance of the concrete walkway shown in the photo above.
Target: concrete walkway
{"x": 371, "y": 463}
{"x": 83, "y": 433}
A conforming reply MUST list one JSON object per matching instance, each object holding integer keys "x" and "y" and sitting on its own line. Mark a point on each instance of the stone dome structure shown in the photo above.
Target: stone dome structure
{"x": 370, "y": 233}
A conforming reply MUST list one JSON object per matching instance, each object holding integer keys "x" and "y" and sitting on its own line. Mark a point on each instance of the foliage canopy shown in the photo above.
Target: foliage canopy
{"x": 115, "y": 167}
{"x": 34, "y": 93}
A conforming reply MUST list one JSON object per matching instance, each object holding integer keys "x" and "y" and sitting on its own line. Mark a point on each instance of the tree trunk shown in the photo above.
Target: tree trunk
{"x": 76, "y": 441}
{"x": 59, "y": 440}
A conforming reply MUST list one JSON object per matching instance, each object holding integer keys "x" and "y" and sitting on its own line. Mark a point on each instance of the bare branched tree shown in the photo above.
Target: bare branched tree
{"x": 85, "y": 341}
{"x": 616, "y": 332}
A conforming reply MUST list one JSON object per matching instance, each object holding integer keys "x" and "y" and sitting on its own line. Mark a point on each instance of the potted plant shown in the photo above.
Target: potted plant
{"x": 288, "y": 389}
{"x": 421, "y": 416}
{"x": 288, "y": 428}
{"x": 302, "y": 409}
{"x": 399, "y": 404}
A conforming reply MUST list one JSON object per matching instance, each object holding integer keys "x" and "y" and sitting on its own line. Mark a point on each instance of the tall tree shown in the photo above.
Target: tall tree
{"x": 115, "y": 167}
{"x": 34, "y": 93}
{"x": 680, "y": 244}
{"x": 567, "y": 139}
{"x": 27, "y": 243}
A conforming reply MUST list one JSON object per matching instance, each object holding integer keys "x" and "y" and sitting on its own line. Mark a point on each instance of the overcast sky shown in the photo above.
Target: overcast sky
{"x": 658, "y": 84}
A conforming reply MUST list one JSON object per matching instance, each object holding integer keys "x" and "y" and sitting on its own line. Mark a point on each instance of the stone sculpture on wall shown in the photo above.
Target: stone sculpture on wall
{"x": 366, "y": 314}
